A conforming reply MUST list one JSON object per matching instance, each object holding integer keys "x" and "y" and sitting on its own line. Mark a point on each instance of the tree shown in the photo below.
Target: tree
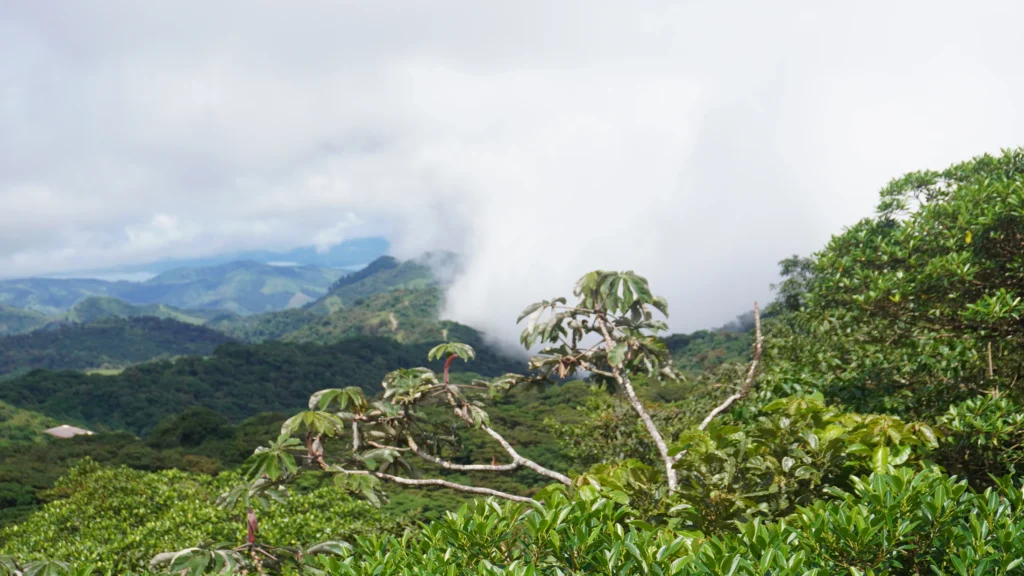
{"x": 610, "y": 333}
{"x": 920, "y": 305}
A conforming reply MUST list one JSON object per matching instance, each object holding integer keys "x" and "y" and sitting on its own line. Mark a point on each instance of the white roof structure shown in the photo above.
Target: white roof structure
{"x": 66, "y": 431}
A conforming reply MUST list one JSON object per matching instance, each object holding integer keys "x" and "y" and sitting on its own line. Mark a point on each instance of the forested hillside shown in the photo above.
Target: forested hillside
{"x": 105, "y": 343}
{"x": 387, "y": 297}
{"x": 18, "y": 321}
{"x": 237, "y": 381}
{"x": 870, "y": 422}
{"x": 101, "y": 307}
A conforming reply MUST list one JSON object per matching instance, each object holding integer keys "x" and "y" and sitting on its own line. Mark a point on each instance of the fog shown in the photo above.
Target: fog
{"x": 695, "y": 143}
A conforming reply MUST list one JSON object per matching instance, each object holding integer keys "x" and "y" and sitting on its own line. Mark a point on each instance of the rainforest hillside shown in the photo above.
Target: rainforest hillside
{"x": 873, "y": 425}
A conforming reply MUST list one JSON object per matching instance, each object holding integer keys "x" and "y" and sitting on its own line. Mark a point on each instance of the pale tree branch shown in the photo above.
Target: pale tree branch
{"x": 638, "y": 407}
{"x": 421, "y": 482}
{"x": 453, "y": 486}
{"x": 461, "y": 467}
{"x": 748, "y": 383}
{"x": 518, "y": 459}
{"x": 462, "y": 412}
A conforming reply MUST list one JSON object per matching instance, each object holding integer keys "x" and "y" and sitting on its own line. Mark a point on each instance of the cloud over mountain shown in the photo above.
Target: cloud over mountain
{"x": 696, "y": 143}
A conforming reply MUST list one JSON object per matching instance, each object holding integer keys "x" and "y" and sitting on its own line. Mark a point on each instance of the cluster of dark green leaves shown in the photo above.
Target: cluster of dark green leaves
{"x": 982, "y": 437}
{"x": 903, "y": 523}
{"x": 119, "y": 519}
{"x": 788, "y": 455}
{"x": 919, "y": 306}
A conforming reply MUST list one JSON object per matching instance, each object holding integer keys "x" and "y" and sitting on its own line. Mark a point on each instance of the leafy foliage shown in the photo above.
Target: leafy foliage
{"x": 110, "y": 342}
{"x": 117, "y": 518}
{"x": 829, "y": 455}
{"x": 238, "y": 381}
{"x": 18, "y": 321}
{"x": 902, "y": 312}
{"x": 96, "y": 308}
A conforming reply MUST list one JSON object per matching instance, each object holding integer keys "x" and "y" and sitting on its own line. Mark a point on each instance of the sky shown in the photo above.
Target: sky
{"x": 697, "y": 143}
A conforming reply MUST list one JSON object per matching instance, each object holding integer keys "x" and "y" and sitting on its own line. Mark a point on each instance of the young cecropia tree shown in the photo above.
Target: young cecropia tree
{"x": 610, "y": 333}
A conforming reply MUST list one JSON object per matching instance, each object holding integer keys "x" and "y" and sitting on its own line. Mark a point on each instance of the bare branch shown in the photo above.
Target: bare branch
{"x": 355, "y": 436}
{"x": 638, "y": 407}
{"x": 462, "y": 467}
{"x": 749, "y": 382}
{"x": 436, "y": 482}
{"x": 462, "y": 412}
{"x": 526, "y": 461}
{"x": 453, "y": 486}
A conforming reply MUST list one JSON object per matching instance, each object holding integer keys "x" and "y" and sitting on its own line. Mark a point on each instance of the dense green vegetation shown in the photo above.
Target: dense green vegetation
{"x": 110, "y": 342}
{"x": 171, "y": 507}
{"x": 101, "y": 307}
{"x": 18, "y": 321}
{"x": 25, "y": 478}
{"x": 707, "y": 350}
{"x": 406, "y": 315}
{"x": 237, "y": 381}
{"x": 17, "y": 425}
{"x": 381, "y": 275}
{"x": 890, "y": 361}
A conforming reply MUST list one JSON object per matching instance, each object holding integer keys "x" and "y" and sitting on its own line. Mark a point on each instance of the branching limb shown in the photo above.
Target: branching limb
{"x": 433, "y": 482}
{"x": 462, "y": 412}
{"x": 451, "y": 485}
{"x": 461, "y": 467}
{"x": 638, "y": 407}
{"x": 516, "y": 458}
{"x": 748, "y": 382}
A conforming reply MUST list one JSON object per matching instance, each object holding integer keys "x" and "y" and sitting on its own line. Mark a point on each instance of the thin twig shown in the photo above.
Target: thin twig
{"x": 747, "y": 383}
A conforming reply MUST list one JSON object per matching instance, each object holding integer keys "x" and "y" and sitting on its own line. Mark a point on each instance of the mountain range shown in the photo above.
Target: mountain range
{"x": 241, "y": 287}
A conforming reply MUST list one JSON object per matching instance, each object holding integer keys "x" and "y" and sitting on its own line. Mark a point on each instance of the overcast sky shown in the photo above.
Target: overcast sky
{"x": 695, "y": 142}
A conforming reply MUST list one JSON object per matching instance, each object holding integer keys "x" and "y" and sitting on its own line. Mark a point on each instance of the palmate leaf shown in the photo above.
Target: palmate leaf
{"x": 195, "y": 561}
{"x": 272, "y": 461}
{"x": 313, "y": 421}
{"x": 45, "y": 568}
{"x": 464, "y": 351}
{"x": 350, "y": 399}
{"x": 336, "y": 547}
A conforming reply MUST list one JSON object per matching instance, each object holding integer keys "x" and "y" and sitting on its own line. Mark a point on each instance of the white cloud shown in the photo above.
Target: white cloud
{"x": 697, "y": 143}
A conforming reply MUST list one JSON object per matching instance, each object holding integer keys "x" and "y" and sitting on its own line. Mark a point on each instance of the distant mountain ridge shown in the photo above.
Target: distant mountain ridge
{"x": 242, "y": 287}
{"x": 356, "y": 304}
{"x": 96, "y": 308}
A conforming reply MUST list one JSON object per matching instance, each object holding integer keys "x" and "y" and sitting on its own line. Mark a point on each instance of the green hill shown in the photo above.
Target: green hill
{"x": 237, "y": 381}
{"x": 353, "y": 306}
{"x": 240, "y": 287}
{"x": 381, "y": 275}
{"x": 405, "y": 314}
{"x": 100, "y": 307}
{"x": 18, "y": 321}
{"x": 17, "y": 425}
{"x": 54, "y": 296}
{"x": 112, "y": 341}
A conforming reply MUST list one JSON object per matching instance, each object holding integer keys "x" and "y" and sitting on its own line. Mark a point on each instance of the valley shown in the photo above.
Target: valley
{"x": 883, "y": 396}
